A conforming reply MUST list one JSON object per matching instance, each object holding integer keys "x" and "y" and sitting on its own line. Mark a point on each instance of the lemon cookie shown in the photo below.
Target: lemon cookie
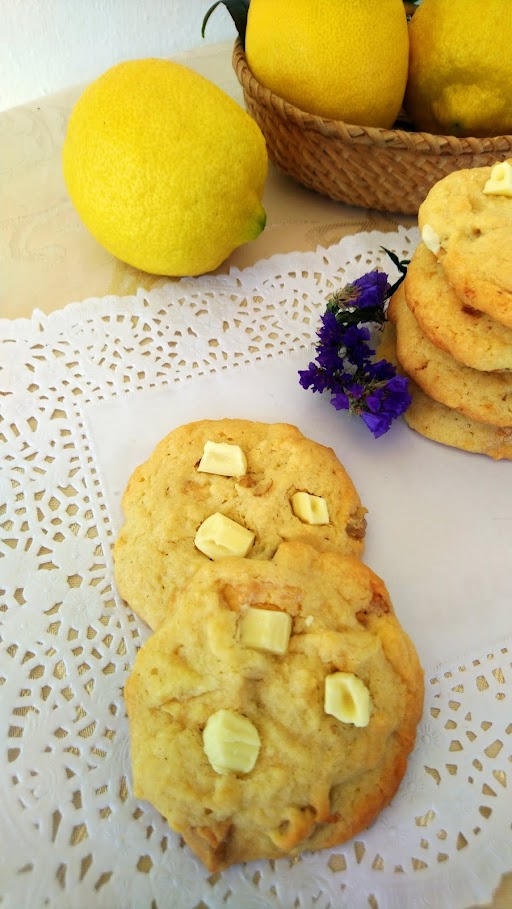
{"x": 442, "y": 424}
{"x": 470, "y": 230}
{"x": 468, "y": 334}
{"x": 261, "y": 741}
{"x": 483, "y": 396}
{"x": 187, "y": 504}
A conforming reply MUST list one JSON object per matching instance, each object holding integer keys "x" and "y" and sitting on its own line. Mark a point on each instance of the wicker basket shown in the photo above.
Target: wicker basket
{"x": 386, "y": 169}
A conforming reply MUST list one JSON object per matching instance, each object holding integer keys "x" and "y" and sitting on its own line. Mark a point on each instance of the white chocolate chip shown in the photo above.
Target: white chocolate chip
{"x": 500, "y": 180}
{"x": 231, "y": 742}
{"x": 219, "y": 537}
{"x": 310, "y": 509}
{"x": 223, "y": 459}
{"x": 347, "y": 698}
{"x": 431, "y": 239}
{"x": 266, "y": 629}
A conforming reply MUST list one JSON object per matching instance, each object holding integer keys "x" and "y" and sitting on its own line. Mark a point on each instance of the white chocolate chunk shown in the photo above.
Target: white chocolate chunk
{"x": 431, "y": 239}
{"x": 500, "y": 180}
{"x": 347, "y": 698}
{"x": 266, "y": 629}
{"x": 310, "y": 509}
{"x": 223, "y": 459}
{"x": 231, "y": 742}
{"x": 219, "y": 536}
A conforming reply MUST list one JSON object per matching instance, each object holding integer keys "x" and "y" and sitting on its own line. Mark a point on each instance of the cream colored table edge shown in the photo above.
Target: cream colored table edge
{"x": 48, "y": 259}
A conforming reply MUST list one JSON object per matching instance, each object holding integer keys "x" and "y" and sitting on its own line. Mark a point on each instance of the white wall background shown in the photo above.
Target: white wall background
{"x": 48, "y": 45}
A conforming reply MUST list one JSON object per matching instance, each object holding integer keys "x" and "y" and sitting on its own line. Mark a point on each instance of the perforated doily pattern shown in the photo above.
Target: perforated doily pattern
{"x": 72, "y": 834}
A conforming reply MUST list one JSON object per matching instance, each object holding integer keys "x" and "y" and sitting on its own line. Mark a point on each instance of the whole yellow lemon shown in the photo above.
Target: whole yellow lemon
{"x": 460, "y": 71}
{"x": 341, "y": 59}
{"x": 165, "y": 170}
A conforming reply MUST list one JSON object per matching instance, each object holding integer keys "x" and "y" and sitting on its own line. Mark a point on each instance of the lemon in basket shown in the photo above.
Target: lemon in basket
{"x": 165, "y": 170}
{"x": 343, "y": 60}
{"x": 460, "y": 75}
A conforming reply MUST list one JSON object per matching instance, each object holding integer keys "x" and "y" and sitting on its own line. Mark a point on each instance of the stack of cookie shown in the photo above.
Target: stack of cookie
{"x": 274, "y": 707}
{"x": 452, "y": 315}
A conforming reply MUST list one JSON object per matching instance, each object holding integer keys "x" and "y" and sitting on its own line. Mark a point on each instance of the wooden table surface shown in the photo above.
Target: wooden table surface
{"x": 48, "y": 259}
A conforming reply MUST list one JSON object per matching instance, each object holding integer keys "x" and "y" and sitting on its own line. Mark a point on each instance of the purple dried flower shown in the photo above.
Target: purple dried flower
{"x": 387, "y": 401}
{"x": 377, "y": 423}
{"x": 314, "y": 377}
{"x": 341, "y": 401}
{"x": 382, "y": 369}
{"x": 367, "y": 292}
{"x": 344, "y": 361}
{"x": 372, "y": 288}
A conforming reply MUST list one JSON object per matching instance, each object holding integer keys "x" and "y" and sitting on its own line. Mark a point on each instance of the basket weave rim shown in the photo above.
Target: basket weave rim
{"x": 419, "y": 142}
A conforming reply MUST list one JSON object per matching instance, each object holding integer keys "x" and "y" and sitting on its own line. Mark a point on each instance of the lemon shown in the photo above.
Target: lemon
{"x": 343, "y": 60}
{"x": 165, "y": 170}
{"x": 460, "y": 73}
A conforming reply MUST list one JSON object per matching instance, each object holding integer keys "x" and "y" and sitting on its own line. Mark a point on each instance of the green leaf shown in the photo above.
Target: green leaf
{"x": 402, "y": 268}
{"x": 237, "y": 9}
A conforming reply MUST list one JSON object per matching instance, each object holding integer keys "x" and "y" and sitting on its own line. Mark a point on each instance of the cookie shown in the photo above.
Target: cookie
{"x": 167, "y": 499}
{"x": 309, "y": 779}
{"x": 441, "y": 424}
{"x": 482, "y": 396}
{"x": 474, "y": 231}
{"x": 469, "y": 335}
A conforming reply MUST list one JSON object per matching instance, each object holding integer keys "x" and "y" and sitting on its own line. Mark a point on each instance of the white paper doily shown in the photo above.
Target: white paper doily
{"x": 85, "y": 393}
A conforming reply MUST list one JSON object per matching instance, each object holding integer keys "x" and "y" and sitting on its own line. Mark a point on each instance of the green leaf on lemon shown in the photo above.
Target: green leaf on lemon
{"x": 237, "y": 9}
